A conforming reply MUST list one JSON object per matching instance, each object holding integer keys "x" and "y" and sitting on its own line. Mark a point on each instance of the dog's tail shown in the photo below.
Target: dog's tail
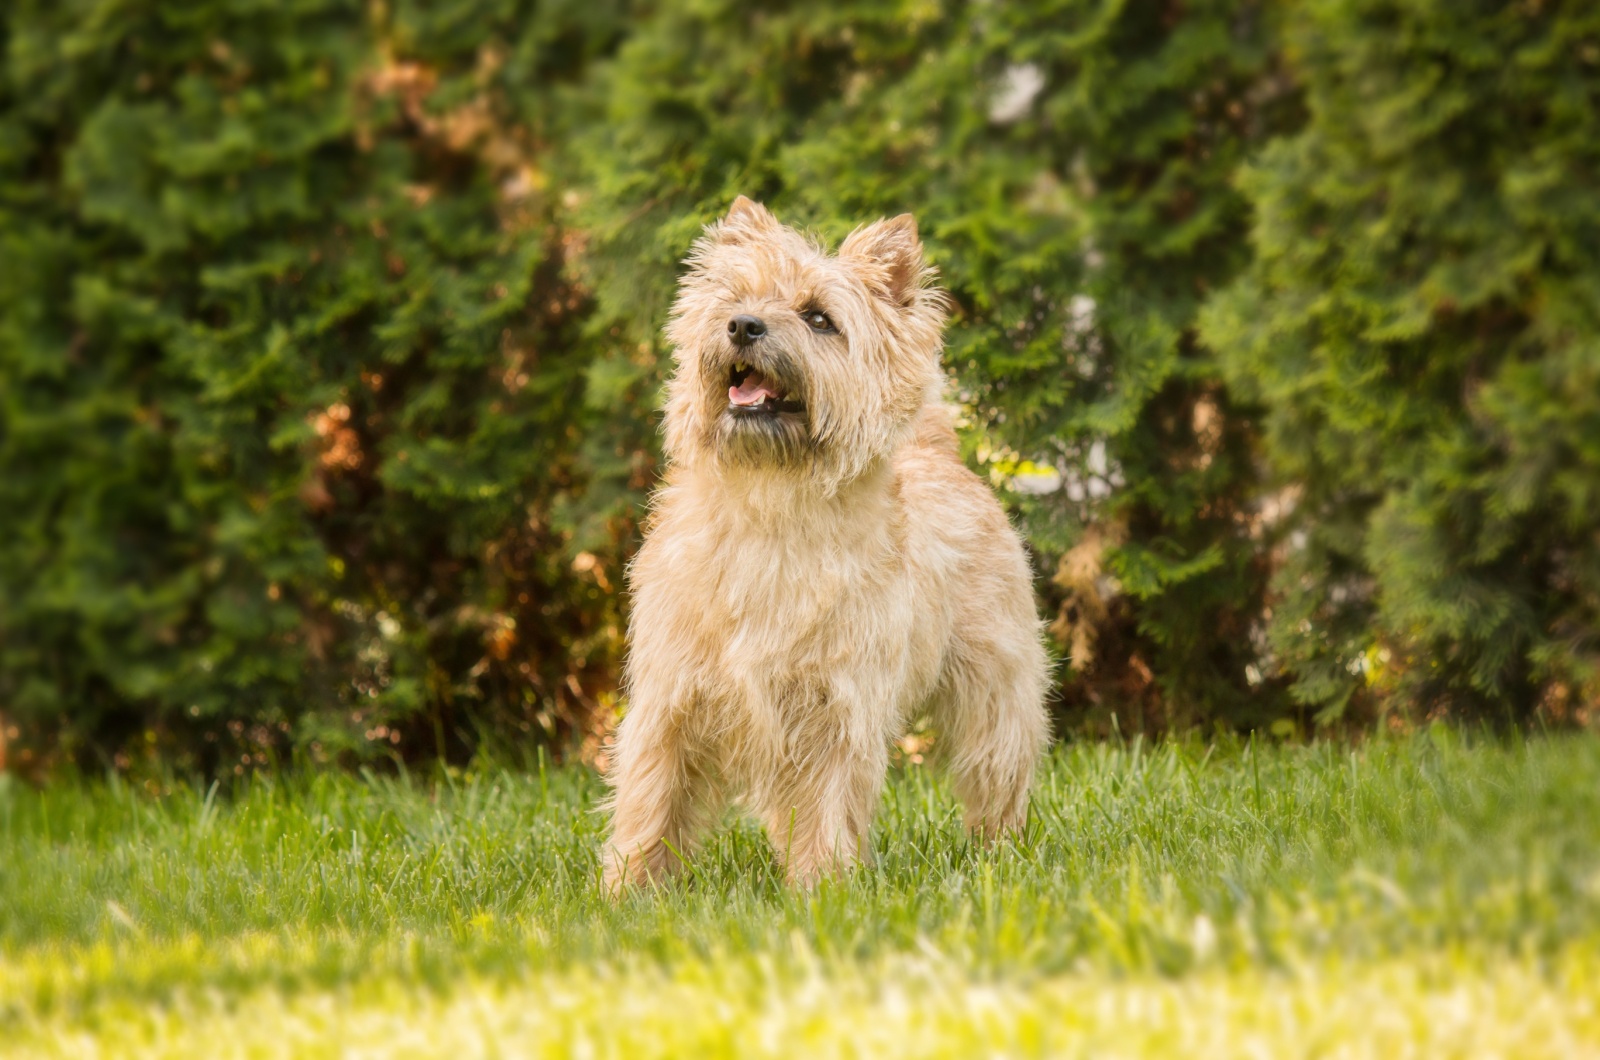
{"x": 935, "y": 430}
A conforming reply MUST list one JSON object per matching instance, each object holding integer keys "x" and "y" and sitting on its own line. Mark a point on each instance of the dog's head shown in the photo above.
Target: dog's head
{"x": 788, "y": 357}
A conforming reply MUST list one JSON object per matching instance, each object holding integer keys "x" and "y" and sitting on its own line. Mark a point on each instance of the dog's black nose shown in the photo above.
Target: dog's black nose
{"x": 744, "y": 330}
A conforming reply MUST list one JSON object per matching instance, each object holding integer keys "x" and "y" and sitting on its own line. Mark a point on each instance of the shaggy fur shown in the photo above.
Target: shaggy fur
{"x": 815, "y": 578}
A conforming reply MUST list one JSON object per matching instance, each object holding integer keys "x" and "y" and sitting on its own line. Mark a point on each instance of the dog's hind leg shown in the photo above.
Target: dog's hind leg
{"x": 661, "y": 799}
{"x": 991, "y": 727}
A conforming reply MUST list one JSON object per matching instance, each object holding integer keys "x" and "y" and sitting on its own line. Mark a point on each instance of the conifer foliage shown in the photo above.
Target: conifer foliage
{"x": 330, "y": 343}
{"x": 1421, "y": 324}
{"x": 290, "y": 374}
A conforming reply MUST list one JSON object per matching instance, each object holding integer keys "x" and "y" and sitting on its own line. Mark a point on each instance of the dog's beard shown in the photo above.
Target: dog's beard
{"x": 780, "y": 438}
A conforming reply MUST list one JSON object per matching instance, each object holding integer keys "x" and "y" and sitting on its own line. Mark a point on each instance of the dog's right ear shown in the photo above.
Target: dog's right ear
{"x": 744, "y": 220}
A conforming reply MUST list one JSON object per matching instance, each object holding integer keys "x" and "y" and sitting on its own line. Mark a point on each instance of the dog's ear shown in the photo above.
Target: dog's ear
{"x": 743, "y": 220}
{"x": 888, "y": 255}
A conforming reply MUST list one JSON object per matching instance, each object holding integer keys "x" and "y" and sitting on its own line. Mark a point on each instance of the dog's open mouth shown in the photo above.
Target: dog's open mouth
{"x": 751, "y": 390}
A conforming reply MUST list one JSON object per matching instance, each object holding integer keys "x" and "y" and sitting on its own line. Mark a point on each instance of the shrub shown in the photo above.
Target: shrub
{"x": 291, "y": 375}
{"x": 330, "y": 344}
{"x": 1421, "y": 322}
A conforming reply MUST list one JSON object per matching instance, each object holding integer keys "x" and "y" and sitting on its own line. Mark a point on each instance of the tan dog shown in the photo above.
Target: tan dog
{"x": 820, "y": 568}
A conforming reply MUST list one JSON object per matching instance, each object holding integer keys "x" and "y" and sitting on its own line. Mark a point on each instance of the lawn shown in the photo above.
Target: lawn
{"x": 1428, "y": 895}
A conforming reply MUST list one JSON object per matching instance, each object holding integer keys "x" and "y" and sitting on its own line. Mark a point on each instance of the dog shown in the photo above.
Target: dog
{"x": 819, "y": 568}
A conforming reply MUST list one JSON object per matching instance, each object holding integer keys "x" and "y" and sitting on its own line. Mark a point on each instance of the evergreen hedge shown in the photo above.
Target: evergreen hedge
{"x": 330, "y": 344}
{"x": 292, "y": 376}
{"x": 1421, "y": 325}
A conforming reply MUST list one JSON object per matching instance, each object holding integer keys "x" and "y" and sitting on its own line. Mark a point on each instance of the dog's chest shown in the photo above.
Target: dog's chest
{"x": 781, "y": 600}
{"x": 782, "y": 589}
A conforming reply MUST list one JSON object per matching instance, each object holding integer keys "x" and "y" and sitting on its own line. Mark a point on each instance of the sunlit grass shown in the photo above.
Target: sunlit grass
{"x": 1435, "y": 894}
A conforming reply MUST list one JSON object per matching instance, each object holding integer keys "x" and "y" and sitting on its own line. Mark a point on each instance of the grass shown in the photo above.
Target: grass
{"x": 1434, "y": 895}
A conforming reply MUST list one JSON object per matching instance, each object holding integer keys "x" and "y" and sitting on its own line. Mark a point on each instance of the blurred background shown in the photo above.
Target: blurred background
{"x": 330, "y": 348}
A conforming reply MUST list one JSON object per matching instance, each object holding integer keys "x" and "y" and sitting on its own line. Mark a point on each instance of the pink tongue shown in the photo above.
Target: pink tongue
{"x": 752, "y": 390}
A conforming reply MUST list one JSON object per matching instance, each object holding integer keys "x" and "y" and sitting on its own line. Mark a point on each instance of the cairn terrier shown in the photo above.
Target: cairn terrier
{"x": 820, "y": 569}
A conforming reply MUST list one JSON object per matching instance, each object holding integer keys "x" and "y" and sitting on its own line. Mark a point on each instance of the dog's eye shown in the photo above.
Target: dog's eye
{"x": 818, "y": 321}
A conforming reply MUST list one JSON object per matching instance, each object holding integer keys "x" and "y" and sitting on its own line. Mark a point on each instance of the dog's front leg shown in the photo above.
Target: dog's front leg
{"x": 659, "y": 796}
{"x": 819, "y": 816}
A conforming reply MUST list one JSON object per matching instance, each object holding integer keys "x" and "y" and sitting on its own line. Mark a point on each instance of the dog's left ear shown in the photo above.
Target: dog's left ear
{"x": 888, "y": 255}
